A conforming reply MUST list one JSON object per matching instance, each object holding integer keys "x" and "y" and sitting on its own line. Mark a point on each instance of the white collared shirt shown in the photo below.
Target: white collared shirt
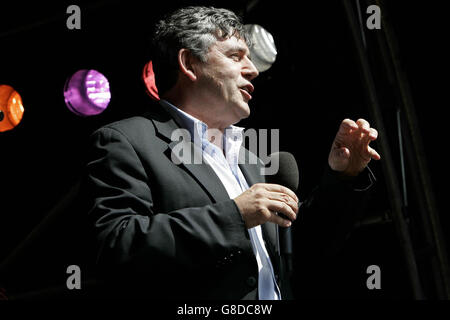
{"x": 225, "y": 165}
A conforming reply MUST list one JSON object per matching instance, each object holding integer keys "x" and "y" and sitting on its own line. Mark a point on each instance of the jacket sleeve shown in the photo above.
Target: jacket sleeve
{"x": 129, "y": 231}
{"x": 327, "y": 216}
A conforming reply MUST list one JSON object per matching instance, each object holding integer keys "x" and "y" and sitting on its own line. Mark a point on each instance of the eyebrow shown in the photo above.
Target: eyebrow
{"x": 239, "y": 48}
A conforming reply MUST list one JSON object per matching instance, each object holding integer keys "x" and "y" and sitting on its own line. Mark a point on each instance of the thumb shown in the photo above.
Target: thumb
{"x": 344, "y": 153}
{"x": 338, "y": 159}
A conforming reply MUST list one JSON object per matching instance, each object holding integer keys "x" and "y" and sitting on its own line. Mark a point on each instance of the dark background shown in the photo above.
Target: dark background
{"x": 313, "y": 85}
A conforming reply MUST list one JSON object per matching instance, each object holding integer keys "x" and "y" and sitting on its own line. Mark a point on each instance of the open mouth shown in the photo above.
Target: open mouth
{"x": 246, "y": 91}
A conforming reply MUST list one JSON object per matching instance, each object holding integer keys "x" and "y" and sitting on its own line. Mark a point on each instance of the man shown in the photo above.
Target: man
{"x": 187, "y": 229}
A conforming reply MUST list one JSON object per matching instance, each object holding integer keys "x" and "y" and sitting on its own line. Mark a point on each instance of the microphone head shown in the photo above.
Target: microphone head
{"x": 287, "y": 174}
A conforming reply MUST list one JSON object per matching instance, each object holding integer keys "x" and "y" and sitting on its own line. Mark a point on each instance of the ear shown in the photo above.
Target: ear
{"x": 186, "y": 63}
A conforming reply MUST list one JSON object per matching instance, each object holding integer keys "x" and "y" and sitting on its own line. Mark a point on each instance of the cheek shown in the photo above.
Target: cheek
{"x": 222, "y": 80}
{"x": 219, "y": 84}
{"x": 227, "y": 81}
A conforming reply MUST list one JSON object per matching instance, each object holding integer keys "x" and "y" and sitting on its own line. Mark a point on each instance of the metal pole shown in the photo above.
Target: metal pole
{"x": 418, "y": 155}
{"x": 408, "y": 155}
{"x": 392, "y": 184}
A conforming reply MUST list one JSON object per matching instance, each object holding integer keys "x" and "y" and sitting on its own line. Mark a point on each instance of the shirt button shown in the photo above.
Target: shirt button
{"x": 251, "y": 281}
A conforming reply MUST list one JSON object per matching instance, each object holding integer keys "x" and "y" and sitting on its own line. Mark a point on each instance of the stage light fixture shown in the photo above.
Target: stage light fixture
{"x": 263, "y": 50}
{"x": 11, "y": 108}
{"x": 149, "y": 79}
{"x": 87, "y": 93}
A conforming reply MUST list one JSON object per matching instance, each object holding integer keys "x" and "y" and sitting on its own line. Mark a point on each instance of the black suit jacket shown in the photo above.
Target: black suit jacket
{"x": 170, "y": 231}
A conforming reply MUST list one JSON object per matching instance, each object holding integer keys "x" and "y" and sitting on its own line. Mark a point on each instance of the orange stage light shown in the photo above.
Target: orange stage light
{"x": 11, "y": 108}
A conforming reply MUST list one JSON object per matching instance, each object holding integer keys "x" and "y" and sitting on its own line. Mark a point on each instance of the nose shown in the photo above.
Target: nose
{"x": 249, "y": 70}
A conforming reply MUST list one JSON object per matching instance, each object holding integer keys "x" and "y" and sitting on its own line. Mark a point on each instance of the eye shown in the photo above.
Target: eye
{"x": 236, "y": 56}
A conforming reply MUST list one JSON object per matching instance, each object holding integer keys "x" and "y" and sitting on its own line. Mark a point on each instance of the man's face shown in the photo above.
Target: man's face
{"x": 224, "y": 82}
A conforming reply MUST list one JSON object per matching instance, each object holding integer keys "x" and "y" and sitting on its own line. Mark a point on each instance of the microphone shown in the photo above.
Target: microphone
{"x": 288, "y": 176}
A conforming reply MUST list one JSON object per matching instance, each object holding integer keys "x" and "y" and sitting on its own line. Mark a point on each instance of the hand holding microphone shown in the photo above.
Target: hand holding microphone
{"x": 262, "y": 202}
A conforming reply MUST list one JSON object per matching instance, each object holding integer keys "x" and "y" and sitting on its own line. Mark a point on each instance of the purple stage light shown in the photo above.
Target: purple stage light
{"x": 87, "y": 93}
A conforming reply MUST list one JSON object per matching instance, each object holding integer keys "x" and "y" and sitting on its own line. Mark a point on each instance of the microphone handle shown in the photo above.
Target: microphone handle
{"x": 285, "y": 235}
{"x": 285, "y": 238}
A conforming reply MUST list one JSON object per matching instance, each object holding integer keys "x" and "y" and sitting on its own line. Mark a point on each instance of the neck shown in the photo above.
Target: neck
{"x": 194, "y": 108}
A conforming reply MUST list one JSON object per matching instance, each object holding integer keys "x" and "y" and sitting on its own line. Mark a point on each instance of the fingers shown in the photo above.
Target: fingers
{"x": 348, "y": 124}
{"x": 361, "y": 125}
{"x": 272, "y": 187}
{"x": 373, "y": 135}
{"x": 368, "y": 134}
{"x": 281, "y": 199}
{"x": 284, "y": 198}
{"x": 274, "y": 218}
{"x": 364, "y": 126}
{"x": 261, "y": 202}
{"x": 282, "y": 208}
{"x": 373, "y": 154}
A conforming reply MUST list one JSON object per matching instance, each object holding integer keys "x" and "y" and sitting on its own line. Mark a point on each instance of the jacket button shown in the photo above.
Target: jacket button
{"x": 251, "y": 281}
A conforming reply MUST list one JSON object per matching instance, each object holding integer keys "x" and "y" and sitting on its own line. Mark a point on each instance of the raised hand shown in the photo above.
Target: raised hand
{"x": 350, "y": 152}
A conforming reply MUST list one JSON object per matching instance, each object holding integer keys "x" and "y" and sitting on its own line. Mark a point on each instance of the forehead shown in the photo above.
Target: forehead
{"x": 231, "y": 44}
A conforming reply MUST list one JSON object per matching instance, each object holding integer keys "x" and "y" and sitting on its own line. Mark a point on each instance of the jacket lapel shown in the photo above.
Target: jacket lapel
{"x": 192, "y": 161}
{"x": 201, "y": 171}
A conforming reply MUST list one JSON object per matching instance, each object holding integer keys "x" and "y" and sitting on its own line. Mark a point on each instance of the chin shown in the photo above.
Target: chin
{"x": 240, "y": 111}
{"x": 245, "y": 110}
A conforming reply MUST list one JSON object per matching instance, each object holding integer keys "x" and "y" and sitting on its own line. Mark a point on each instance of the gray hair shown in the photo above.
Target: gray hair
{"x": 193, "y": 28}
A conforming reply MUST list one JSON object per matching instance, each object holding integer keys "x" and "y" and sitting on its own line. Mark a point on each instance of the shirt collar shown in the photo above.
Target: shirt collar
{"x": 232, "y": 139}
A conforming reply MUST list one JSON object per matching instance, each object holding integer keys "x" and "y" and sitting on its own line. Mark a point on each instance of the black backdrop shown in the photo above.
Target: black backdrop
{"x": 313, "y": 85}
